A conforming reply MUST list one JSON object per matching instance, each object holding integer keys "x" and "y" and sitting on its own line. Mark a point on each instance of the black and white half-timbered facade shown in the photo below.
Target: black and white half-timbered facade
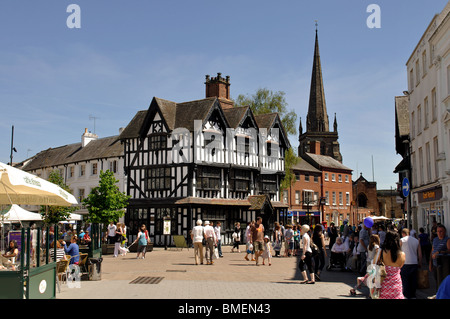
{"x": 203, "y": 159}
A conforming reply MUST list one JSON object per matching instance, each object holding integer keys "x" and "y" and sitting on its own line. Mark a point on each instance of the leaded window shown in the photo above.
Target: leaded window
{"x": 208, "y": 178}
{"x": 158, "y": 178}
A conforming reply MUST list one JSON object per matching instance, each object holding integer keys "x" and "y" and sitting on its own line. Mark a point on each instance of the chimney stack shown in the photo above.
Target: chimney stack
{"x": 315, "y": 147}
{"x": 87, "y": 137}
{"x": 219, "y": 87}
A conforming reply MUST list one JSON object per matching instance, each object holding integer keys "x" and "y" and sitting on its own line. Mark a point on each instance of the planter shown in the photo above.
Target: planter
{"x": 108, "y": 249}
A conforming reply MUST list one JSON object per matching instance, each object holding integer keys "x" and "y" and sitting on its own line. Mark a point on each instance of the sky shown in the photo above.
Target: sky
{"x": 55, "y": 81}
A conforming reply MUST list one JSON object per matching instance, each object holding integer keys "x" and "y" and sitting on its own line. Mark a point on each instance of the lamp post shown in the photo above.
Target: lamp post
{"x": 12, "y": 147}
{"x": 408, "y": 171}
{"x": 308, "y": 202}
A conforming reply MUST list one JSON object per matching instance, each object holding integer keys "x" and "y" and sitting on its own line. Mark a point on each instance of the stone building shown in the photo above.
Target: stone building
{"x": 428, "y": 75}
{"x": 390, "y": 203}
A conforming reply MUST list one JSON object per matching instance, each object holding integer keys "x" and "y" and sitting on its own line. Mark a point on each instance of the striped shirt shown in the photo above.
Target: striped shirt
{"x": 59, "y": 253}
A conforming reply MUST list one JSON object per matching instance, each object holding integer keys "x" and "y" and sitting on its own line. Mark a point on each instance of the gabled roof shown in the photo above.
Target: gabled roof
{"x": 362, "y": 179}
{"x": 175, "y": 115}
{"x": 324, "y": 161}
{"x": 236, "y": 115}
{"x": 271, "y": 120}
{"x": 133, "y": 128}
{"x": 304, "y": 166}
{"x": 188, "y": 112}
{"x": 168, "y": 110}
{"x": 74, "y": 153}
{"x": 265, "y": 120}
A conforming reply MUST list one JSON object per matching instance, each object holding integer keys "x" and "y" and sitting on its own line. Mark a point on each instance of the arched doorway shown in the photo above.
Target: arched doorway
{"x": 361, "y": 200}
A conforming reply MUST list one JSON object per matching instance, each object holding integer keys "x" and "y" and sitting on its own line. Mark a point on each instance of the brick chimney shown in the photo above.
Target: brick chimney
{"x": 315, "y": 147}
{"x": 219, "y": 87}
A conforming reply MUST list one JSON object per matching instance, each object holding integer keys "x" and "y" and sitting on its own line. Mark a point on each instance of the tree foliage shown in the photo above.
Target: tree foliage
{"x": 265, "y": 101}
{"x": 106, "y": 203}
{"x": 52, "y": 215}
{"x": 290, "y": 159}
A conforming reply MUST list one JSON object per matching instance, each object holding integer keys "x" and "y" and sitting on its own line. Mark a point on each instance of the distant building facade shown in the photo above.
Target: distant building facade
{"x": 80, "y": 164}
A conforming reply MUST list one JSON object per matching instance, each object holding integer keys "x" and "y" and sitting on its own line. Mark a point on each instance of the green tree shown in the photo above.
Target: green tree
{"x": 106, "y": 203}
{"x": 265, "y": 101}
{"x": 290, "y": 159}
{"x": 52, "y": 215}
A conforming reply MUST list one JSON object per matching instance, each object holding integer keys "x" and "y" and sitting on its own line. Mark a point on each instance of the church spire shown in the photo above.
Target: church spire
{"x": 317, "y": 110}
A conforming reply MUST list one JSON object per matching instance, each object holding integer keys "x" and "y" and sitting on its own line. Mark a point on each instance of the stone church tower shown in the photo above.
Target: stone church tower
{"x": 317, "y": 124}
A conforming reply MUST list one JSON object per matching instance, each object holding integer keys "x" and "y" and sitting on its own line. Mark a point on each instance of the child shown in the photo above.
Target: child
{"x": 373, "y": 250}
{"x": 267, "y": 253}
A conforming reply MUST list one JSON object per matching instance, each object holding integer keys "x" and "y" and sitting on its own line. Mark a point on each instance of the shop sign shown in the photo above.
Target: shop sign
{"x": 430, "y": 195}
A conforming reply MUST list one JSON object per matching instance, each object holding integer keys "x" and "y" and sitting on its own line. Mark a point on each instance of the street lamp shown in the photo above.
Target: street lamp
{"x": 408, "y": 171}
{"x": 12, "y": 147}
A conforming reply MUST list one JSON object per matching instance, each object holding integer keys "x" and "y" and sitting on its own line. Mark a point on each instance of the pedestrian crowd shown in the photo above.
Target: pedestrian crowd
{"x": 385, "y": 257}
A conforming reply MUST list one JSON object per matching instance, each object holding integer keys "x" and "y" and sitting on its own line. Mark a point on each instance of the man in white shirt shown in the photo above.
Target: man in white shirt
{"x": 210, "y": 237}
{"x": 197, "y": 238}
{"x": 111, "y": 233}
{"x": 413, "y": 259}
{"x": 217, "y": 230}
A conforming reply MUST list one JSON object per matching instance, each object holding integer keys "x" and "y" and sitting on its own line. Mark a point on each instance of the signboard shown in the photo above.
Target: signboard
{"x": 430, "y": 195}
{"x": 166, "y": 228}
{"x": 405, "y": 187}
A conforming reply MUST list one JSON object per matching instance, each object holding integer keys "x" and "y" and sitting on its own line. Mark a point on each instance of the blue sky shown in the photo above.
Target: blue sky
{"x": 52, "y": 78}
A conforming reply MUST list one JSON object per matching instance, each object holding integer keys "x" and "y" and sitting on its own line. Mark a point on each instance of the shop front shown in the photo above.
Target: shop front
{"x": 300, "y": 217}
{"x": 430, "y": 208}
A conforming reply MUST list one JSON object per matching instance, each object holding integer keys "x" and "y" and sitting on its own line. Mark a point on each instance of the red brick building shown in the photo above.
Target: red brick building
{"x": 305, "y": 193}
{"x": 336, "y": 187}
{"x": 365, "y": 202}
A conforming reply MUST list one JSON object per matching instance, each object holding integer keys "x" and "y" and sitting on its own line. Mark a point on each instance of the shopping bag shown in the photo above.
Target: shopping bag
{"x": 216, "y": 253}
{"x": 423, "y": 281}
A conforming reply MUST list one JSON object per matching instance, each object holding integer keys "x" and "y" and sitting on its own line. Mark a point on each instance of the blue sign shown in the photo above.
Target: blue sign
{"x": 405, "y": 187}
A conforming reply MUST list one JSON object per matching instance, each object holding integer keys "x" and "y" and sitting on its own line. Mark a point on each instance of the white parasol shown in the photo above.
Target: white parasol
{"x": 18, "y": 214}
{"x": 379, "y": 218}
{"x": 19, "y": 187}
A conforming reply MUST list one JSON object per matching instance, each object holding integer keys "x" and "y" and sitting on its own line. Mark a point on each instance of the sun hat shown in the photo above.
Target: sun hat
{"x": 207, "y": 222}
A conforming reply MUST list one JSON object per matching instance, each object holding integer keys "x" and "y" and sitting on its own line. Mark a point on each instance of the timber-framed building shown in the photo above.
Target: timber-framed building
{"x": 202, "y": 159}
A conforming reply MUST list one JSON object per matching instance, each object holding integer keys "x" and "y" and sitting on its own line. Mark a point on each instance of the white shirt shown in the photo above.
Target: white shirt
{"x": 307, "y": 242}
{"x": 338, "y": 248}
{"x": 112, "y": 230}
{"x": 409, "y": 247}
{"x": 217, "y": 231}
{"x": 197, "y": 231}
{"x": 248, "y": 234}
{"x": 209, "y": 232}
